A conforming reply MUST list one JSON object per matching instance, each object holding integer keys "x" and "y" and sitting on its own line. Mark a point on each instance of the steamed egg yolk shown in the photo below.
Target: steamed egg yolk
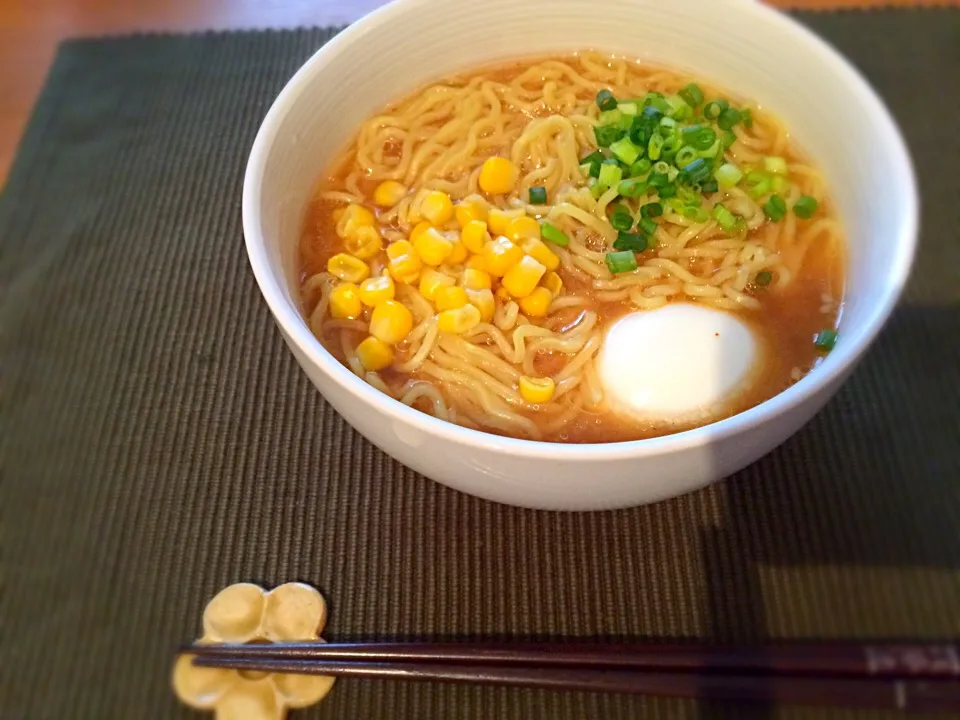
{"x": 675, "y": 361}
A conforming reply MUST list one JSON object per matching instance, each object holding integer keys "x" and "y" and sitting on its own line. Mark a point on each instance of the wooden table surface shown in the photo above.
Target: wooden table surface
{"x": 31, "y": 29}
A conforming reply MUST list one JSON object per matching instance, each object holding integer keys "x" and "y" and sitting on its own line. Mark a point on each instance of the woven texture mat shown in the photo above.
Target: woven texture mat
{"x": 159, "y": 442}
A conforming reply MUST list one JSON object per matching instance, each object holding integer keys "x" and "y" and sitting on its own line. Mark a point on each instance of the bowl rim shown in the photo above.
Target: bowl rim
{"x": 834, "y": 368}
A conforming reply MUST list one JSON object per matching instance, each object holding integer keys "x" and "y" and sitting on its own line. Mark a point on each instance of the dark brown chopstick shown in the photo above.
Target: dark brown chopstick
{"x": 906, "y": 695}
{"x": 929, "y": 660}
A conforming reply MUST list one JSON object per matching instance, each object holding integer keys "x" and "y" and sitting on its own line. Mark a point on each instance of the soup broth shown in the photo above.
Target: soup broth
{"x": 470, "y": 249}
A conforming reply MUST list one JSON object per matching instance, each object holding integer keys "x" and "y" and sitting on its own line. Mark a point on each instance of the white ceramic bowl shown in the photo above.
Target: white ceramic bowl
{"x": 746, "y": 47}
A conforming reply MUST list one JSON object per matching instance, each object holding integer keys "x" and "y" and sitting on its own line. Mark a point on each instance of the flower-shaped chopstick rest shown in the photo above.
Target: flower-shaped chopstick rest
{"x": 246, "y": 613}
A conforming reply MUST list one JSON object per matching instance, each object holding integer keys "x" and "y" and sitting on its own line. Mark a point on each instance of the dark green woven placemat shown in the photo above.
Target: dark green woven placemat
{"x": 160, "y": 443}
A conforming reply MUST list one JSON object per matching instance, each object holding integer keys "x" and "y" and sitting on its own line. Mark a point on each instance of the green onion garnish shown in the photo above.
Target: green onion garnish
{"x": 728, "y": 138}
{"x": 757, "y": 184}
{"x": 763, "y": 278}
{"x": 728, "y": 175}
{"x": 709, "y": 186}
{"x": 651, "y": 112}
{"x": 592, "y": 162}
{"x": 607, "y": 134}
{"x": 640, "y": 167}
{"x": 775, "y": 165}
{"x": 606, "y": 100}
{"x": 685, "y": 156}
{"x": 632, "y": 188}
{"x": 538, "y": 195}
{"x": 554, "y": 234}
{"x": 596, "y": 189}
{"x": 628, "y": 108}
{"x": 625, "y": 151}
{"x": 647, "y": 225}
{"x": 695, "y": 172}
{"x": 587, "y": 169}
{"x": 658, "y": 179}
{"x": 775, "y": 208}
{"x": 656, "y": 100}
{"x": 630, "y": 241}
{"x": 725, "y": 219}
{"x": 728, "y": 118}
{"x": 712, "y": 110}
{"x": 620, "y": 217}
{"x": 824, "y": 340}
{"x": 805, "y": 207}
{"x": 747, "y": 118}
{"x": 651, "y": 210}
{"x": 621, "y": 262}
{"x": 712, "y": 151}
{"x": 667, "y": 191}
{"x": 698, "y": 137}
{"x": 692, "y": 94}
{"x": 610, "y": 175}
{"x": 610, "y": 117}
{"x": 679, "y": 109}
{"x": 655, "y": 146}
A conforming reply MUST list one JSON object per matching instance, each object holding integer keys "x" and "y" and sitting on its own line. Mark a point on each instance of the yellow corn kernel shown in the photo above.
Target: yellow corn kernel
{"x": 498, "y": 220}
{"x": 537, "y": 390}
{"x": 477, "y": 279}
{"x": 497, "y": 176}
{"x": 450, "y": 298}
{"x": 536, "y": 303}
{"x": 348, "y": 268}
{"x": 484, "y": 302}
{"x": 523, "y": 277}
{"x": 391, "y": 322}
{"x": 375, "y": 290}
{"x": 469, "y": 211}
{"x": 502, "y": 295}
{"x": 365, "y": 242}
{"x": 432, "y": 246}
{"x": 459, "y": 320}
{"x": 388, "y": 194}
{"x": 436, "y": 207}
{"x": 501, "y": 255}
{"x": 432, "y": 280}
{"x": 522, "y": 228}
{"x": 353, "y": 216}
{"x": 476, "y": 262}
{"x": 458, "y": 254}
{"x": 553, "y": 283}
{"x": 419, "y": 228}
{"x": 345, "y": 301}
{"x": 374, "y": 354}
{"x": 404, "y": 263}
{"x": 538, "y": 250}
{"x": 474, "y": 236}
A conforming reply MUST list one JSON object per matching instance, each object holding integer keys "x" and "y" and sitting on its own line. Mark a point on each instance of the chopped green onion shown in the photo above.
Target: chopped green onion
{"x": 658, "y": 179}
{"x": 711, "y": 151}
{"x": 607, "y": 134}
{"x": 651, "y": 210}
{"x": 728, "y": 175}
{"x": 728, "y": 118}
{"x": 640, "y": 167}
{"x": 775, "y": 208}
{"x": 712, "y": 110}
{"x": 757, "y": 184}
{"x": 824, "y": 340}
{"x": 651, "y": 112}
{"x": 620, "y": 217}
{"x": 778, "y": 183}
{"x": 763, "y": 278}
{"x": 725, "y": 219}
{"x": 692, "y": 94}
{"x": 709, "y": 186}
{"x": 685, "y": 155}
{"x": 775, "y": 165}
{"x": 596, "y": 188}
{"x": 610, "y": 175}
{"x": 625, "y": 151}
{"x": 679, "y": 109}
{"x": 621, "y": 262}
{"x": 672, "y": 173}
{"x": 610, "y": 117}
{"x": 587, "y": 168}
{"x": 805, "y": 207}
{"x": 747, "y": 116}
{"x": 648, "y": 226}
{"x": 606, "y": 100}
{"x": 697, "y": 214}
{"x": 698, "y": 137}
{"x": 669, "y": 123}
{"x": 655, "y": 146}
{"x": 592, "y": 161}
{"x": 695, "y": 172}
{"x": 538, "y": 195}
{"x": 628, "y": 108}
{"x": 662, "y": 167}
{"x": 630, "y": 241}
{"x": 554, "y": 234}
{"x": 728, "y": 138}
{"x": 667, "y": 191}
{"x": 632, "y": 188}
{"x": 655, "y": 99}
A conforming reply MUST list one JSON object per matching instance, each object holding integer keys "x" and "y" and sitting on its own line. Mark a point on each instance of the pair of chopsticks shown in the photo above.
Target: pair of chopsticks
{"x": 908, "y": 676}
